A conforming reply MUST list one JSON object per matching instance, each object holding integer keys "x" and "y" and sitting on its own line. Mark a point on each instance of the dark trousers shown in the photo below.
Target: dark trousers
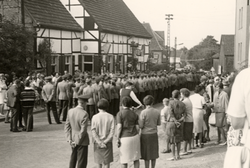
{"x": 70, "y": 103}
{"x": 79, "y": 155}
{"x": 90, "y": 110}
{"x": 63, "y": 108}
{"x": 117, "y": 105}
{"x": 14, "y": 118}
{"x": 20, "y": 116}
{"x": 51, "y": 105}
{"x": 28, "y": 118}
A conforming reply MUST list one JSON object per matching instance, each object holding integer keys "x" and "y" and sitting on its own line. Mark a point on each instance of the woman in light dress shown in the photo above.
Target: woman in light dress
{"x": 198, "y": 102}
{"x": 3, "y": 88}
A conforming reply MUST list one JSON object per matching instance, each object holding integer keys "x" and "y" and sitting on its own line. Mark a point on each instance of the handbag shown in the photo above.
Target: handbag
{"x": 237, "y": 155}
{"x": 211, "y": 120}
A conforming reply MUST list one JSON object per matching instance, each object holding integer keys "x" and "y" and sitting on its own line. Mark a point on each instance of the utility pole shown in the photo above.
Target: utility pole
{"x": 175, "y": 53}
{"x": 169, "y": 17}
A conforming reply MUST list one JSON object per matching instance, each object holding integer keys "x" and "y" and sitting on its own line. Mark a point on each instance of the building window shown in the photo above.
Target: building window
{"x": 53, "y": 64}
{"x": 67, "y": 63}
{"x": 87, "y": 63}
{"x": 239, "y": 51}
{"x": 241, "y": 18}
{"x": 1, "y": 18}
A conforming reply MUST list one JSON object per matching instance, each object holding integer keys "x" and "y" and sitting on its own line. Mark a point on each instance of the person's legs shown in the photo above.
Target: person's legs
{"x": 136, "y": 164}
{"x": 223, "y": 134}
{"x": 30, "y": 119}
{"x": 173, "y": 150}
{"x": 54, "y": 110}
{"x": 189, "y": 149}
{"x": 14, "y": 118}
{"x": 65, "y": 109}
{"x": 7, "y": 120}
{"x": 192, "y": 141}
{"x": 185, "y": 147}
{"x": 91, "y": 111}
{"x": 153, "y": 162}
{"x": 146, "y": 163}
{"x": 178, "y": 146}
{"x": 48, "y": 107}
{"x": 25, "y": 118}
{"x": 219, "y": 135}
{"x": 200, "y": 139}
{"x": 20, "y": 114}
{"x": 60, "y": 108}
{"x": 2, "y": 109}
{"x": 73, "y": 158}
{"x": 82, "y": 156}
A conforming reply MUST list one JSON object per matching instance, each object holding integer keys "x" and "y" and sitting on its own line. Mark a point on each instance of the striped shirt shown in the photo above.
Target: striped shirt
{"x": 28, "y": 97}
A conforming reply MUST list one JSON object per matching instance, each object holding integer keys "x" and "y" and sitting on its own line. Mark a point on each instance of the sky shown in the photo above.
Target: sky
{"x": 193, "y": 20}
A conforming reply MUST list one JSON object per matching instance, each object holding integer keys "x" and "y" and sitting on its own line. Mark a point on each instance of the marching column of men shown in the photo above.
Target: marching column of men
{"x": 66, "y": 89}
{"x": 158, "y": 85}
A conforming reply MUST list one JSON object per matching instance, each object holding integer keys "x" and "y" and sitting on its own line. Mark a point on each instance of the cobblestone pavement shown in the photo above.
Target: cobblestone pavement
{"x": 46, "y": 147}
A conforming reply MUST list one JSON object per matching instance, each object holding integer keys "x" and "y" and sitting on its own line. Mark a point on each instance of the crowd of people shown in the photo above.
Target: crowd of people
{"x": 109, "y": 101}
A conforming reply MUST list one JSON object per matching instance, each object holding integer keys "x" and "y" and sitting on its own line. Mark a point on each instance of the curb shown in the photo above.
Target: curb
{"x": 34, "y": 112}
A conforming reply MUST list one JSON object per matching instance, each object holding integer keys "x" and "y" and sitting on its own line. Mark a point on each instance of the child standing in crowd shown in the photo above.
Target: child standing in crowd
{"x": 164, "y": 116}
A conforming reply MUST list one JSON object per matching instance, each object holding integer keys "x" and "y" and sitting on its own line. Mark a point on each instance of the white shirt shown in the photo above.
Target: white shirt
{"x": 197, "y": 100}
{"x": 239, "y": 103}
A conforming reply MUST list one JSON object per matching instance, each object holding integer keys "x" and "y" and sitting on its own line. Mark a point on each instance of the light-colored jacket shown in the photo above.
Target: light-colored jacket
{"x": 76, "y": 126}
{"x": 220, "y": 101}
{"x": 63, "y": 90}
{"x": 48, "y": 92}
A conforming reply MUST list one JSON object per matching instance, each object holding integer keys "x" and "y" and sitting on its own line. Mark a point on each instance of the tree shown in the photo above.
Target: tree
{"x": 16, "y": 48}
{"x": 201, "y": 55}
{"x": 45, "y": 51}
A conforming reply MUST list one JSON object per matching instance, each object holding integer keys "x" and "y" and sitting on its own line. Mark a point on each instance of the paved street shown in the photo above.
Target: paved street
{"x": 46, "y": 147}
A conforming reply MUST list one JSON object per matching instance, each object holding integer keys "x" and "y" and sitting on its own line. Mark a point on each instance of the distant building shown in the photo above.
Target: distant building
{"x": 226, "y": 56}
{"x": 157, "y": 45}
{"x": 216, "y": 62}
{"x": 86, "y": 35}
{"x": 241, "y": 45}
{"x": 175, "y": 58}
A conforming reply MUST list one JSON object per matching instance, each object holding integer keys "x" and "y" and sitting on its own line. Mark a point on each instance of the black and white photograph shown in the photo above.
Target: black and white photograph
{"x": 124, "y": 83}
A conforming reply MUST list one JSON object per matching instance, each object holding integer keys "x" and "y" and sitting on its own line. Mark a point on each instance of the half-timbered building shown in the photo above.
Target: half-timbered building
{"x": 85, "y": 35}
{"x": 112, "y": 35}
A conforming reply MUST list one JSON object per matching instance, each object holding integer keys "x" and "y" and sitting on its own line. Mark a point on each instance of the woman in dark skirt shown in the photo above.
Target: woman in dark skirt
{"x": 188, "y": 122}
{"x": 148, "y": 121}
